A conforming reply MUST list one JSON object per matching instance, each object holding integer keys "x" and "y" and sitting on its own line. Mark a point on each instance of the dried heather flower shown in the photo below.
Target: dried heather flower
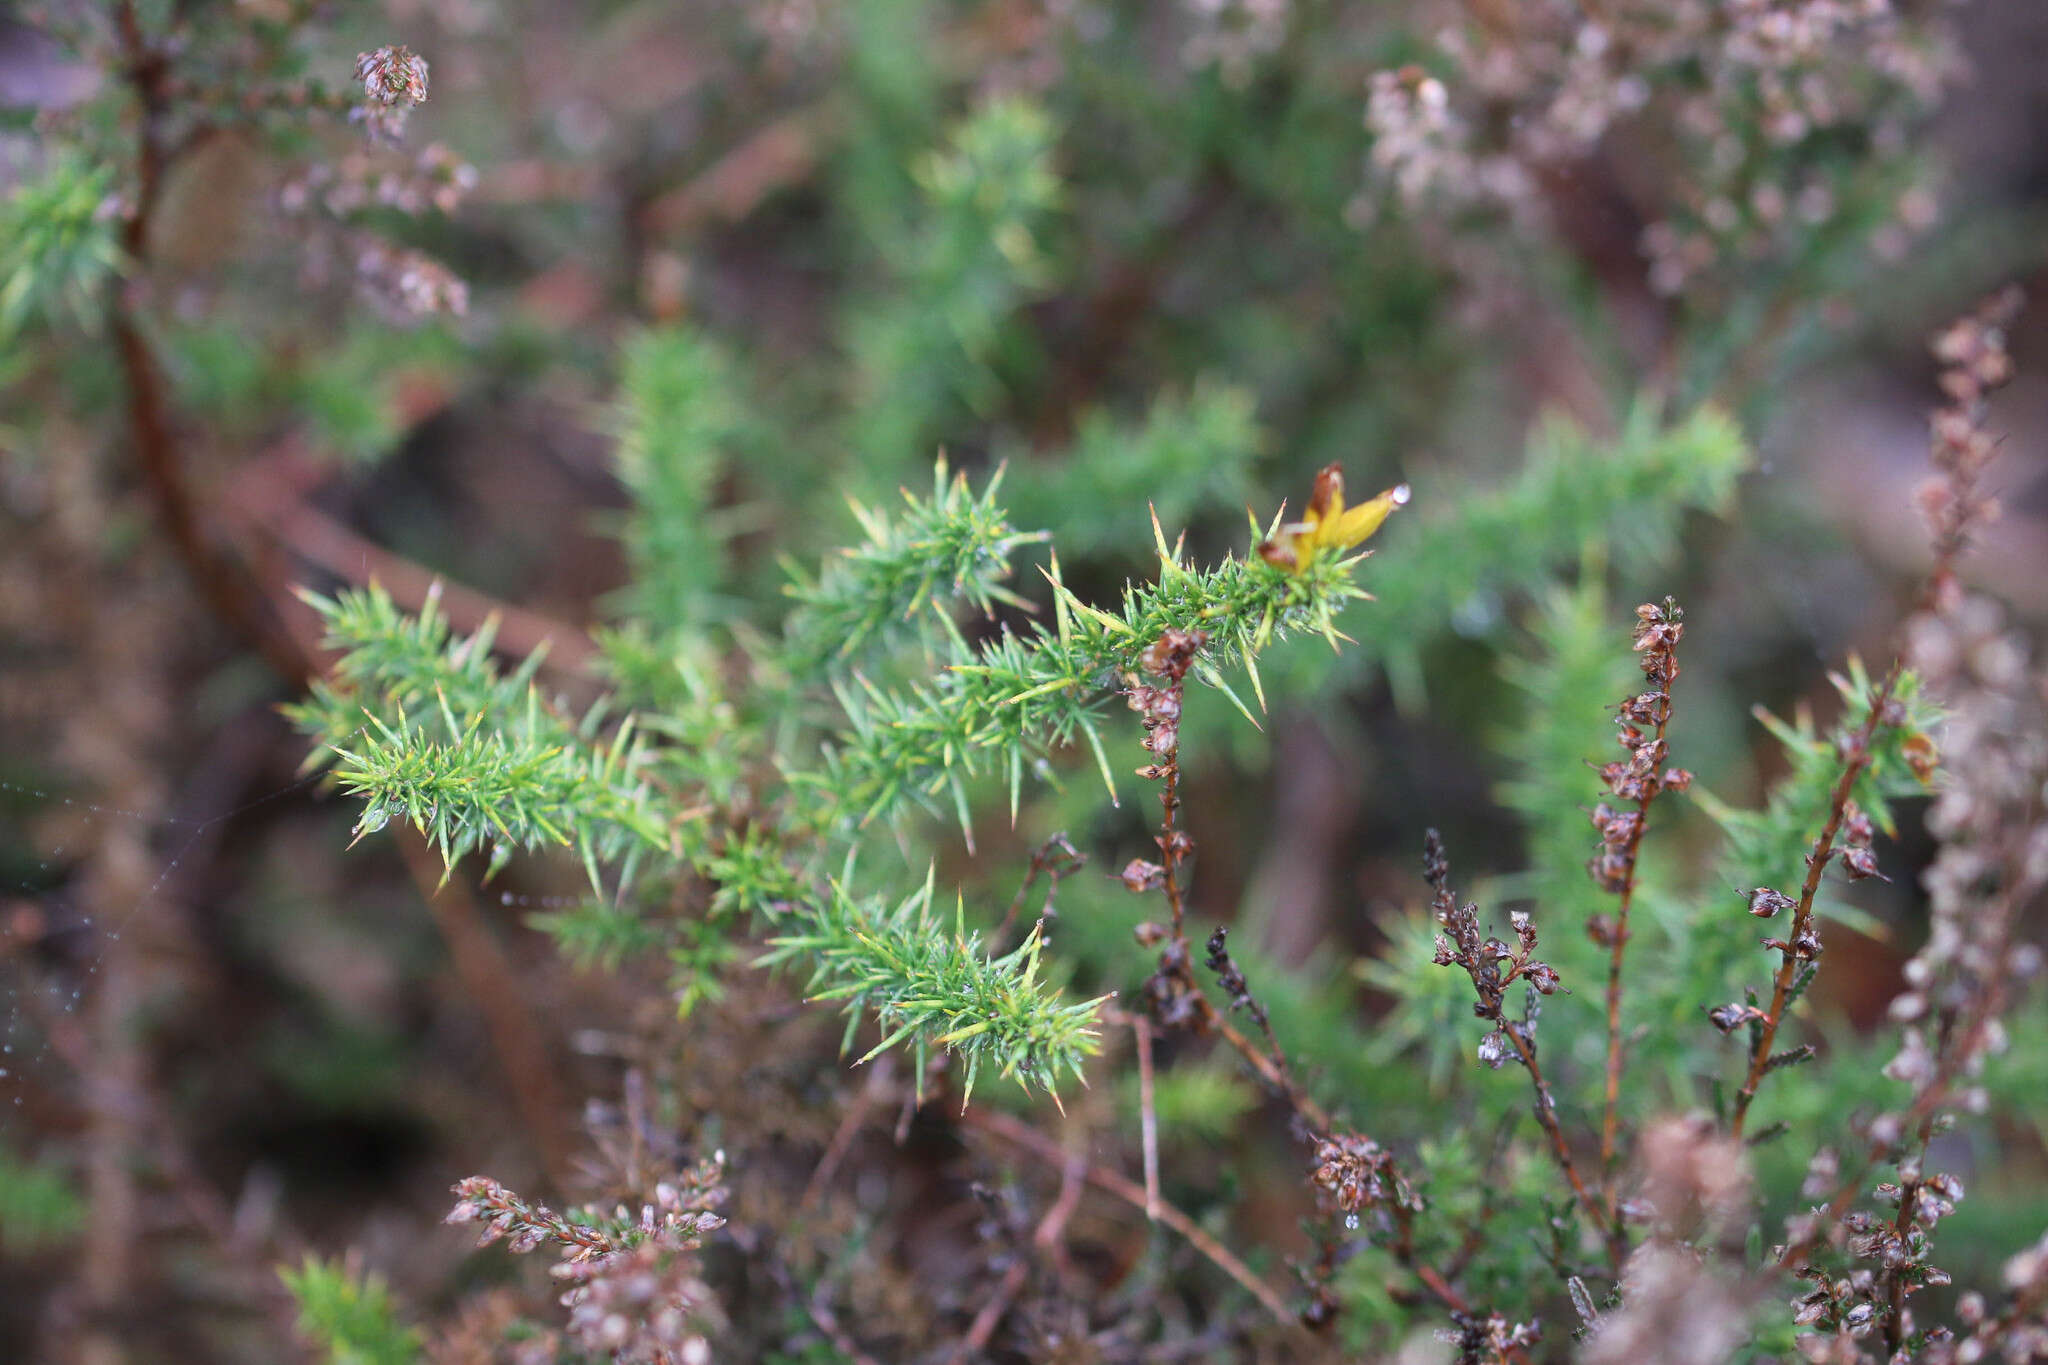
{"x": 1988, "y": 820}
{"x": 1357, "y": 1174}
{"x": 436, "y": 178}
{"x": 393, "y": 75}
{"x": 1765, "y": 903}
{"x": 1676, "y": 1310}
{"x": 407, "y": 284}
{"x": 1493, "y": 965}
{"x": 1692, "y": 1173}
{"x": 645, "y": 1306}
{"x": 394, "y": 81}
{"x": 1750, "y": 97}
{"x": 1483, "y": 1340}
{"x": 635, "y": 1293}
{"x": 1140, "y": 876}
{"x": 1987, "y": 813}
{"x": 1974, "y": 362}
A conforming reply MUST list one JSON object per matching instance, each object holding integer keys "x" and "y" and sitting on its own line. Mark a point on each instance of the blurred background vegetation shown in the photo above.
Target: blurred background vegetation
{"x": 650, "y": 290}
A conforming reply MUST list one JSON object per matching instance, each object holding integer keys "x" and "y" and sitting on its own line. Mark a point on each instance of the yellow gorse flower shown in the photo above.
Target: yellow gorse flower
{"x": 1328, "y": 523}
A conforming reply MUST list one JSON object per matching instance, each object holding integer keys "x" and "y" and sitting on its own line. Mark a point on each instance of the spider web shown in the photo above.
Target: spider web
{"x": 55, "y": 943}
{"x": 46, "y": 974}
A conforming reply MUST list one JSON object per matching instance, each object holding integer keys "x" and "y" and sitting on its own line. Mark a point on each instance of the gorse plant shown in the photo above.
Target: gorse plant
{"x": 424, "y": 728}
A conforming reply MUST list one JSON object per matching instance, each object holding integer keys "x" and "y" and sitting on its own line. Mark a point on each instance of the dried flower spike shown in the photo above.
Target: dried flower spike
{"x": 393, "y": 75}
{"x": 394, "y": 81}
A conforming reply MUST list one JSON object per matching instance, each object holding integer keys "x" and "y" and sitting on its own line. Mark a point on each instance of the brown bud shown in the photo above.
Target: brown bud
{"x": 1764, "y": 902}
{"x": 1728, "y": 1018}
{"x": 1140, "y": 876}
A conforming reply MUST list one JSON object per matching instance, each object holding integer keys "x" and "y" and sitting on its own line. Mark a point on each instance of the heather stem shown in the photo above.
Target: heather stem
{"x": 1791, "y": 953}
{"x": 1657, "y": 636}
{"x": 1546, "y": 1116}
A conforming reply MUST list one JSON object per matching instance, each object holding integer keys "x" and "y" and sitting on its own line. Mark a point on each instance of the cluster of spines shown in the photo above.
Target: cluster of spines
{"x": 1028, "y": 693}
{"x": 914, "y": 568}
{"x": 934, "y": 986}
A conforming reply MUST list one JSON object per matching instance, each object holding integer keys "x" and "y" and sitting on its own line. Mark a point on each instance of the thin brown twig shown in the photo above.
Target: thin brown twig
{"x": 774, "y": 156}
{"x": 1610, "y": 1122}
{"x": 1053, "y": 859}
{"x": 855, "y": 1118}
{"x": 1028, "y": 1139}
{"x": 1173, "y": 992}
{"x": 1273, "y": 1072}
{"x": 1902, "y": 1224}
{"x": 1857, "y": 759}
{"x": 1046, "y": 1238}
{"x": 1546, "y": 1117}
{"x": 1174, "y": 847}
{"x": 272, "y": 504}
{"x": 1233, "y": 982}
{"x": 1052, "y": 1228}
{"x": 1463, "y": 946}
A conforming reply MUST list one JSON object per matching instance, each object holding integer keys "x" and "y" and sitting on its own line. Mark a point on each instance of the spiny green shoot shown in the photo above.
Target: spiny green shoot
{"x": 673, "y": 682}
{"x": 679, "y": 419}
{"x": 1769, "y": 845}
{"x": 58, "y": 245}
{"x": 953, "y": 547}
{"x": 930, "y": 346}
{"x": 424, "y": 728}
{"x": 392, "y": 661}
{"x": 1190, "y": 455}
{"x": 1027, "y": 694}
{"x": 503, "y": 790}
{"x": 934, "y": 986}
{"x": 1471, "y": 550}
{"x": 349, "y": 1315}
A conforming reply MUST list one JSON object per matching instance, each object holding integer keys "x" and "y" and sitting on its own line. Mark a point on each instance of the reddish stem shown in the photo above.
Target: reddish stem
{"x": 1802, "y": 915}
{"x": 1610, "y": 1122}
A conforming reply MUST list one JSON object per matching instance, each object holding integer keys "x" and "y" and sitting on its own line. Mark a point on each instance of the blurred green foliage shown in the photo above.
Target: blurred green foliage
{"x": 349, "y": 1314}
{"x": 39, "y": 1210}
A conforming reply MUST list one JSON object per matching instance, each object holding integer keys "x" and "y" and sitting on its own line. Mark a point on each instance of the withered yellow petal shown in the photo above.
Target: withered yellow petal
{"x": 1355, "y": 524}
